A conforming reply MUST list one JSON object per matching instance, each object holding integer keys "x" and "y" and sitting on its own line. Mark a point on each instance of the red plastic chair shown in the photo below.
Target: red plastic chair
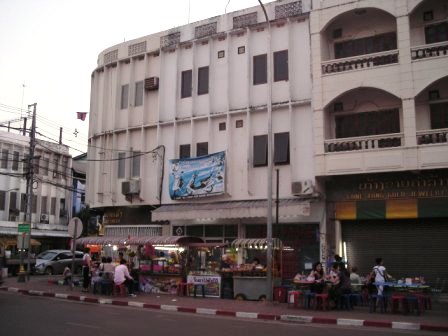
{"x": 321, "y": 302}
{"x": 295, "y": 298}
{"x": 119, "y": 289}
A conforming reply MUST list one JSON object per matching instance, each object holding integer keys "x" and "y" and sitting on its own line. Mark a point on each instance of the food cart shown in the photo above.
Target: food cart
{"x": 249, "y": 282}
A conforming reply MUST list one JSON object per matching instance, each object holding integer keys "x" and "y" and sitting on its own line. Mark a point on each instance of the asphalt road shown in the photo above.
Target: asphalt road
{"x": 34, "y": 316}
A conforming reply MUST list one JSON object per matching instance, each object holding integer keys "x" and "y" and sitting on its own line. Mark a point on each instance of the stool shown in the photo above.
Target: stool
{"x": 119, "y": 289}
{"x": 309, "y": 299}
{"x": 345, "y": 302}
{"x": 414, "y": 303}
{"x": 356, "y": 299}
{"x": 321, "y": 301}
{"x": 202, "y": 286}
{"x": 294, "y": 297}
{"x": 426, "y": 301}
{"x": 382, "y": 301}
{"x": 182, "y": 289}
{"x": 396, "y": 302}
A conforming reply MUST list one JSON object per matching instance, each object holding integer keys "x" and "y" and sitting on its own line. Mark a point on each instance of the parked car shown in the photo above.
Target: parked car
{"x": 54, "y": 261}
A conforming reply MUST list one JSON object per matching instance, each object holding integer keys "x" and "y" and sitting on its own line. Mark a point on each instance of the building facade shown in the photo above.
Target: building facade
{"x": 179, "y": 126}
{"x": 380, "y": 89}
{"x": 52, "y": 192}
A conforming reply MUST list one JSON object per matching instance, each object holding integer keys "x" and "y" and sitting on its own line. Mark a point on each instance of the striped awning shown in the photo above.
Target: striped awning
{"x": 295, "y": 208}
{"x": 153, "y": 240}
{"x": 256, "y": 243}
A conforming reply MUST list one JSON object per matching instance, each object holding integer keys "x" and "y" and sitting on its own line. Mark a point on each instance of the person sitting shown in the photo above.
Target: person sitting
{"x": 355, "y": 279}
{"x": 340, "y": 283}
{"x": 67, "y": 274}
{"x": 317, "y": 278}
{"x": 122, "y": 276}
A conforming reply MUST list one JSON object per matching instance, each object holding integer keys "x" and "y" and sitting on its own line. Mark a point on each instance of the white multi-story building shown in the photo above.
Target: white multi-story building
{"x": 51, "y": 202}
{"x": 359, "y": 117}
{"x": 380, "y": 92}
{"x": 202, "y": 90}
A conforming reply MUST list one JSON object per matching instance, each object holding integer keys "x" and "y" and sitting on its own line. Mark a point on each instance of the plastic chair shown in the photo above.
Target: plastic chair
{"x": 119, "y": 289}
{"x": 321, "y": 301}
{"x": 295, "y": 298}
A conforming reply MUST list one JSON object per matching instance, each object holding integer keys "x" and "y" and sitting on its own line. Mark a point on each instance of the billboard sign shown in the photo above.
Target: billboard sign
{"x": 197, "y": 177}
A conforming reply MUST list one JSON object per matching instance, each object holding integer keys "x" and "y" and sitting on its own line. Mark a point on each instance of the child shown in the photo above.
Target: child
{"x": 67, "y": 274}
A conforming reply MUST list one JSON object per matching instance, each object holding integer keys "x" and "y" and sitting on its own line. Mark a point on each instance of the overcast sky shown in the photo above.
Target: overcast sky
{"x": 51, "y": 46}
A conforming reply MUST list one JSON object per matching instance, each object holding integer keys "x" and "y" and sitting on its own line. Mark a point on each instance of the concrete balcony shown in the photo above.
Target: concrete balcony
{"x": 429, "y": 50}
{"x": 432, "y": 148}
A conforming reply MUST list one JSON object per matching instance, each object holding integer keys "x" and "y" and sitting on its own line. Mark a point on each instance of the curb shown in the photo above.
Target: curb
{"x": 228, "y": 313}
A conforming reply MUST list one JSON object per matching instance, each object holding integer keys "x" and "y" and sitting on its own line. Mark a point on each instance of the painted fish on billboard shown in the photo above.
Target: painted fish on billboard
{"x": 197, "y": 177}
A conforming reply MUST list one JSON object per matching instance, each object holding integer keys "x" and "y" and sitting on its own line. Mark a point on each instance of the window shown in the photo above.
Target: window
{"x": 34, "y": 210}
{"x": 44, "y": 204}
{"x": 281, "y": 148}
{"x": 15, "y": 161}
{"x": 4, "y": 163}
{"x": 136, "y": 156}
{"x": 36, "y": 165}
{"x": 2, "y": 199}
{"x": 241, "y": 50}
{"x": 366, "y": 45}
{"x": 65, "y": 171}
{"x": 13, "y": 200}
{"x": 367, "y": 123}
{"x": 53, "y": 206}
{"x": 260, "y": 69}
{"x": 221, "y": 54}
{"x": 203, "y": 80}
{"x": 222, "y": 126}
{"x": 56, "y": 166}
{"x": 439, "y": 115}
{"x": 23, "y": 202}
{"x": 260, "y": 150}
{"x": 436, "y": 33}
{"x": 239, "y": 123}
{"x": 124, "y": 96}
{"x": 45, "y": 166}
{"x": 186, "y": 84}
{"x": 184, "y": 151}
{"x": 201, "y": 148}
{"x": 138, "y": 101}
{"x": 281, "y": 66}
{"x": 121, "y": 165}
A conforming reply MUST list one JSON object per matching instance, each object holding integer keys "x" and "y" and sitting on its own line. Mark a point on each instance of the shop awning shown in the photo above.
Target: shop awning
{"x": 153, "y": 240}
{"x": 237, "y": 209}
{"x": 13, "y": 241}
{"x": 256, "y": 243}
{"x": 36, "y": 232}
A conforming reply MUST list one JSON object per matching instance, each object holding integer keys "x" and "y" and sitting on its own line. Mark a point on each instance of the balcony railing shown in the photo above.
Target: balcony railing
{"x": 360, "y": 62}
{"x": 432, "y": 136}
{"x": 430, "y": 50}
{"x": 364, "y": 143}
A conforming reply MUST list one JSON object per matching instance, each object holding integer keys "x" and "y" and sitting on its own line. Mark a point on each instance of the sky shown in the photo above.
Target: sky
{"x": 49, "y": 48}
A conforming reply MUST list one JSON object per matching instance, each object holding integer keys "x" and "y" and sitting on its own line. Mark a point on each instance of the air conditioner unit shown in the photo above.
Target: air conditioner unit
{"x": 152, "y": 83}
{"x": 301, "y": 188}
{"x": 44, "y": 218}
{"x": 131, "y": 187}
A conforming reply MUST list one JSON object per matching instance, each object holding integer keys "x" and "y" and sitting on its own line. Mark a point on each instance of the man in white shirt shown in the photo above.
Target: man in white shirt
{"x": 121, "y": 275}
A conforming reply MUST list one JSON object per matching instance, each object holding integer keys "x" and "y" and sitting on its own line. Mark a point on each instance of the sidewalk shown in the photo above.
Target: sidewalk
{"x": 431, "y": 320}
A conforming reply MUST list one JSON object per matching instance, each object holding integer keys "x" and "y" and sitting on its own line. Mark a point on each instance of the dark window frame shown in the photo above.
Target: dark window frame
{"x": 201, "y": 148}
{"x": 437, "y": 32}
{"x": 260, "y": 150}
{"x": 139, "y": 93}
{"x": 281, "y": 148}
{"x": 5, "y": 158}
{"x": 281, "y": 70}
{"x": 366, "y": 45}
{"x": 439, "y": 115}
{"x": 260, "y": 69}
{"x": 121, "y": 165}
{"x": 185, "y": 151}
{"x": 15, "y": 160}
{"x": 124, "y": 96}
{"x": 203, "y": 80}
{"x": 186, "y": 87}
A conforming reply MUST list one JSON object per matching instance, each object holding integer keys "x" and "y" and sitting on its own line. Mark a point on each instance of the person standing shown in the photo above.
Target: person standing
{"x": 86, "y": 266}
{"x": 122, "y": 276}
{"x": 380, "y": 274}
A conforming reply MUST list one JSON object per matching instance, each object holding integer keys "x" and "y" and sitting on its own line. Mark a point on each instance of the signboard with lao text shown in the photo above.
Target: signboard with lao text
{"x": 212, "y": 284}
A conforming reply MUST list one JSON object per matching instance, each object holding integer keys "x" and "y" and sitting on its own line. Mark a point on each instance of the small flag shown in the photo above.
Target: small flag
{"x": 81, "y": 115}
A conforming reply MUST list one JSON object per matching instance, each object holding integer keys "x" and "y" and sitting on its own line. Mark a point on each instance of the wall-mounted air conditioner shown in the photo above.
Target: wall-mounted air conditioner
{"x": 152, "y": 83}
{"x": 301, "y": 188}
{"x": 131, "y": 187}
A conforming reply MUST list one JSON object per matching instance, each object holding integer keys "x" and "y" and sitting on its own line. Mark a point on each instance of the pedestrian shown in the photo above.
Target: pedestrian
{"x": 86, "y": 267}
{"x": 67, "y": 274}
{"x": 122, "y": 276}
{"x": 381, "y": 275}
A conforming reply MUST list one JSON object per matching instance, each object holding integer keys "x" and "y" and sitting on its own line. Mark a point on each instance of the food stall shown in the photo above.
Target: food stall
{"x": 249, "y": 281}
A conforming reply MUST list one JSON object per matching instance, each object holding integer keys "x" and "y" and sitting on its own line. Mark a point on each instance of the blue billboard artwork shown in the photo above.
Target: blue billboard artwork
{"x": 197, "y": 177}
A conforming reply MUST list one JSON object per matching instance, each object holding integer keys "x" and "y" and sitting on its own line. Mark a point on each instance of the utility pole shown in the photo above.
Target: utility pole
{"x": 29, "y": 182}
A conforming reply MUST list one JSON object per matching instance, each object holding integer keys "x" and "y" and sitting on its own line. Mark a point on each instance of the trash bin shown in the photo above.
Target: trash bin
{"x": 280, "y": 294}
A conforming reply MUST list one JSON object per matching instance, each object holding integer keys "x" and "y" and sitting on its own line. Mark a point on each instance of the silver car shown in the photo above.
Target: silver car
{"x": 54, "y": 261}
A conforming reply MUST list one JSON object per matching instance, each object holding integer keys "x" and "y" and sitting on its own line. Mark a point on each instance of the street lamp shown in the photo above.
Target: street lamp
{"x": 269, "y": 182}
